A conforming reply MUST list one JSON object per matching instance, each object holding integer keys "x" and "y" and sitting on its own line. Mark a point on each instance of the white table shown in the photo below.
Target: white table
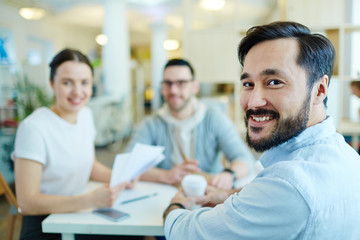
{"x": 145, "y": 217}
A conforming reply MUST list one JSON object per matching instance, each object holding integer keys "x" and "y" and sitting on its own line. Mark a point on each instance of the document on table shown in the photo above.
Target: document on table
{"x": 128, "y": 166}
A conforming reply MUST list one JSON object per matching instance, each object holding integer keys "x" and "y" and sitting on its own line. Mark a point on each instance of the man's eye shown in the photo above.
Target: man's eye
{"x": 85, "y": 82}
{"x": 274, "y": 82}
{"x": 66, "y": 83}
{"x": 247, "y": 84}
{"x": 181, "y": 83}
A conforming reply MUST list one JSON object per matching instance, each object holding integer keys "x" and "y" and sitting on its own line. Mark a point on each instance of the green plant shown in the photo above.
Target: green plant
{"x": 7, "y": 148}
{"x": 29, "y": 96}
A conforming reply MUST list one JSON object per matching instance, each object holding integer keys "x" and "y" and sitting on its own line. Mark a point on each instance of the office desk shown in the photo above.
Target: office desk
{"x": 352, "y": 129}
{"x": 145, "y": 217}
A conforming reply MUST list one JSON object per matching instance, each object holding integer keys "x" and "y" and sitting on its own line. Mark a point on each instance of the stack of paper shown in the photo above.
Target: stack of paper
{"x": 128, "y": 166}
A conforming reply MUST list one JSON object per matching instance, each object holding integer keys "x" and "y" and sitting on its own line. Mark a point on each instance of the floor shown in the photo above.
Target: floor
{"x": 104, "y": 154}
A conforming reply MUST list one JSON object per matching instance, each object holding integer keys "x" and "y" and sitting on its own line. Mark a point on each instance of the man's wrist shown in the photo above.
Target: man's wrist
{"x": 232, "y": 172}
{"x": 172, "y": 206}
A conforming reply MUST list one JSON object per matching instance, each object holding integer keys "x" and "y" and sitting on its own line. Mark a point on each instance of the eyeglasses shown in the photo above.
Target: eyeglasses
{"x": 178, "y": 83}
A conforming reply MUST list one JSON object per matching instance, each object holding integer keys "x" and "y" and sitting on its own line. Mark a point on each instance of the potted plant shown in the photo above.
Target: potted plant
{"x": 28, "y": 96}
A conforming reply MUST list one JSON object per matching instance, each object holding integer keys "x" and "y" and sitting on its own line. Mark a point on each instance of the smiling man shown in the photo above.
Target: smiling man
{"x": 309, "y": 188}
{"x": 191, "y": 134}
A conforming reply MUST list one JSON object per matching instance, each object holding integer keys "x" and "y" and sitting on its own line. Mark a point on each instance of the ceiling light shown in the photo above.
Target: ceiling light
{"x": 32, "y": 13}
{"x": 212, "y": 5}
{"x": 101, "y": 39}
{"x": 171, "y": 44}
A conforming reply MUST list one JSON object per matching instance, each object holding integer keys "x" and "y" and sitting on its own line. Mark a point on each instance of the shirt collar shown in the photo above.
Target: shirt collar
{"x": 308, "y": 137}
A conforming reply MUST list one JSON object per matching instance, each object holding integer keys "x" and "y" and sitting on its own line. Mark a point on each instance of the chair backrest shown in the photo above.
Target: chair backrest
{"x": 5, "y": 189}
{"x": 10, "y": 197}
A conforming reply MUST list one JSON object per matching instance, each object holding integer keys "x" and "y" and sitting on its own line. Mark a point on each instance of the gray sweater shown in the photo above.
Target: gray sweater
{"x": 215, "y": 134}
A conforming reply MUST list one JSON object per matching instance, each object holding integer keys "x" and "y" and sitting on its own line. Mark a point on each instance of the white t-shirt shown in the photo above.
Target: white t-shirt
{"x": 65, "y": 150}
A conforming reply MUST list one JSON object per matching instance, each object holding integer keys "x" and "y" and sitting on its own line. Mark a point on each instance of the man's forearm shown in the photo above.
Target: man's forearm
{"x": 155, "y": 175}
{"x": 172, "y": 206}
{"x": 241, "y": 168}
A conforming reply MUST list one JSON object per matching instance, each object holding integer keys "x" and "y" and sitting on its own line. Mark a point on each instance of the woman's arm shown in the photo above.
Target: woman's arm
{"x": 100, "y": 172}
{"x": 28, "y": 174}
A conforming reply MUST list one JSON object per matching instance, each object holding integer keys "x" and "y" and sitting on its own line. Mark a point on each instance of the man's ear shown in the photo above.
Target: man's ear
{"x": 321, "y": 90}
{"x": 51, "y": 84}
{"x": 196, "y": 87}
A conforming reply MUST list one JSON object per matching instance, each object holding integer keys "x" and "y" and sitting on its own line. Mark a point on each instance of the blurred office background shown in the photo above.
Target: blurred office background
{"x": 129, "y": 42}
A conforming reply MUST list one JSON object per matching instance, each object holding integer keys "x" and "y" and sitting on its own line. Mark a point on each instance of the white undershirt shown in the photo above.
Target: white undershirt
{"x": 183, "y": 136}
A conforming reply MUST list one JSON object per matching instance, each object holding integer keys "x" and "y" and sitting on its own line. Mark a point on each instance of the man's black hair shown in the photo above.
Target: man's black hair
{"x": 316, "y": 52}
{"x": 180, "y": 62}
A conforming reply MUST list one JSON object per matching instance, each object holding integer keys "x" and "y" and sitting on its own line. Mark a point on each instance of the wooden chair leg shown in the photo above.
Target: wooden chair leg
{"x": 11, "y": 227}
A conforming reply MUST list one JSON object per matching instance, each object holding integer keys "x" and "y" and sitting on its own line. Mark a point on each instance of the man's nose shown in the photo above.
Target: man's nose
{"x": 257, "y": 98}
{"x": 174, "y": 87}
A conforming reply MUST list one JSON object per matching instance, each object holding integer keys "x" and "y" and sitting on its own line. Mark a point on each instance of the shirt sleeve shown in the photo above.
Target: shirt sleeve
{"x": 29, "y": 143}
{"x": 265, "y": 209}
{"x": 143, "y": 134}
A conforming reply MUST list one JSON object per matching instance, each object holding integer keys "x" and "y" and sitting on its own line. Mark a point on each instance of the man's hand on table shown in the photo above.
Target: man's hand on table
{"x": 223, "y": 180}
{"x": 179, "y": 201}
{"x": 177, "y": 173}
{"x": 214, "y": 196}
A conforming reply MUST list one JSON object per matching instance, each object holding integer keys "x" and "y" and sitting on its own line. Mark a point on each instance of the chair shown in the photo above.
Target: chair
{"x": 5, "y": 189}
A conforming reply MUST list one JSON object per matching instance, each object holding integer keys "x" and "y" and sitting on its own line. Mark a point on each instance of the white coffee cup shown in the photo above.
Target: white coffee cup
{"x": 194, "y": 185}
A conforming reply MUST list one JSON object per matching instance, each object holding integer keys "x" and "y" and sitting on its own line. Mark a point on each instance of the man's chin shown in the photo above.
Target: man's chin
{"x": 258, "y": 146}
{"x": 175, "y": 109}
{"x": 259, "y": 143}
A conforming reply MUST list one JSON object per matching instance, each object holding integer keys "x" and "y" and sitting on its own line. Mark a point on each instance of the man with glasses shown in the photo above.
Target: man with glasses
{"x": 192, "y": 133}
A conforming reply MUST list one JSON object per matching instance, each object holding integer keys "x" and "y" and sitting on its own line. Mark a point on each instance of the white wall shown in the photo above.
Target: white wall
{"x": 54, "y": 34}
{"x": 318, "y": 13}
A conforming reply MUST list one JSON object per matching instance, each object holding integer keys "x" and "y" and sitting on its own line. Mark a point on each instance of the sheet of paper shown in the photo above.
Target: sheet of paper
{"x": 119, "y": 164}
{"x": 127, "y": 166}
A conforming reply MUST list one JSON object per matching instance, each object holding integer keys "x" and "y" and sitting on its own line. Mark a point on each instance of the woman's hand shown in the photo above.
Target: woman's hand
{"x": 132, "y": 183}
{"x": 106, "y": 196}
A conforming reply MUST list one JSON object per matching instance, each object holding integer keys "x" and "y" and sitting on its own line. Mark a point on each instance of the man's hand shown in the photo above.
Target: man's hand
{"x": 179, "y": 201}
{"x": 222, "y": 181}
{"x": 214, "y": 196}
{"x": 177, "y": 173}
{"x": 181, "y": 198}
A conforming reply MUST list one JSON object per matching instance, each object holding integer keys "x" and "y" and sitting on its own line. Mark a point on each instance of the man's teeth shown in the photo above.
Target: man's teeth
{"x": 261, "y": 119}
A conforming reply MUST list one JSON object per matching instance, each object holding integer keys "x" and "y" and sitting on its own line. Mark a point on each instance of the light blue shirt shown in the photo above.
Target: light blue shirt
{"x": 309, "y": 189}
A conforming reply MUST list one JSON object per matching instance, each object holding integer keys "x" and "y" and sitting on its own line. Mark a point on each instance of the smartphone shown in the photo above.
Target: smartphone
{"x": 111, "y": 214}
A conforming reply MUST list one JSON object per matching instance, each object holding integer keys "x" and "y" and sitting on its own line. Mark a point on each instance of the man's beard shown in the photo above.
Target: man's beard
{"x": 284, "y": 129}
{"x": 185, "y": 103}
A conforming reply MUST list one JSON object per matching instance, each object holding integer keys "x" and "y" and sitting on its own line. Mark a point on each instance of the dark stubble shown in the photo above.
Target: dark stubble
{"x": 181, "y": 107}
{"x": 284, "y": 129}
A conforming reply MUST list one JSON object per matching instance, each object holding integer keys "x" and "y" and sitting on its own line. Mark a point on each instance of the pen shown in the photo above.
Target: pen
{"x": 139, "y": 198}
{"x": 184, "y": 156}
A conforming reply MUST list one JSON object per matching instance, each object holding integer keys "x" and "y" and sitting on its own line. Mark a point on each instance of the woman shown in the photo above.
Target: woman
{"x": 54, "y": 150}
